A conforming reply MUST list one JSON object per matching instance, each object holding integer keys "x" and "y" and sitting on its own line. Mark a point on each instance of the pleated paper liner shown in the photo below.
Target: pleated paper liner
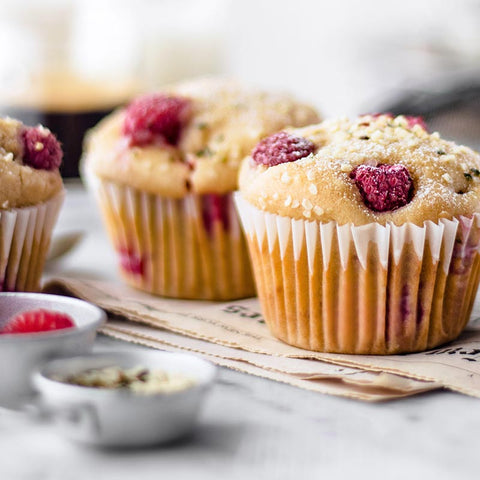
{"x": 25, "y": 235}
{"x": 191, "y": 247}
{"x": 369, "y": 289}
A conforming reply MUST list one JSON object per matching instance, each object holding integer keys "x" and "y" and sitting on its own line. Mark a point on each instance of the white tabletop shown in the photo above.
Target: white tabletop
{"x": 251, "y": 427}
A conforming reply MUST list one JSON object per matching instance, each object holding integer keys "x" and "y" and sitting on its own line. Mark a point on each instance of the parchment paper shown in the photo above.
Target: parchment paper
{"x": 234, "y": 335}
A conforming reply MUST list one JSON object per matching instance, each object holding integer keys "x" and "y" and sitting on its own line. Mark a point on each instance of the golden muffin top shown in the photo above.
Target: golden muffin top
{"x": 376, "y": 168}
{"x": 29, "y": 161}
{"x": 190, "y": 137}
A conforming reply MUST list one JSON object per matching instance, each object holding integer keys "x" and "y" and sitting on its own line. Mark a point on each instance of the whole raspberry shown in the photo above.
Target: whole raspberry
{"x": 385, "y": 187}
{"x": 215, "y": 208}
{"x": 41, "y": 148}
{"x": 131, "y": 261}
{"x": 378, "y": 114}
{"x": 412, "y": 121}
{"x": 154, "y": 118}
{"x": 281, "y": 148}
{"x": 40, "y": 320}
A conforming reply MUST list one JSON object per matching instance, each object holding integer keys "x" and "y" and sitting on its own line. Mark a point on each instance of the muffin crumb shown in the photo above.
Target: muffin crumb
{"x": 447, "y": 178}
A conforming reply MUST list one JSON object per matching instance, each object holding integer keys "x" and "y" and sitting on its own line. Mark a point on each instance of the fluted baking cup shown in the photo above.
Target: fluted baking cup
{"x": 370, "y": 289}
{"x": 192, "y": 247}
{"x": 25, "y": 235}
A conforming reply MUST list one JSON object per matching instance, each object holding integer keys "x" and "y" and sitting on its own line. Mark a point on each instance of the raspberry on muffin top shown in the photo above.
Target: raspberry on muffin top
{"x": 376, "y": 168}
{"x": 29, "y": 161}
{"x": 190, "y": 137}
{"x": 156, "y": 119}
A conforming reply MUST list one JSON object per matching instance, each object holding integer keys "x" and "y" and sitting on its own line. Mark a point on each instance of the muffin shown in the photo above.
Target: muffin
{"x": 364, "y": 234}
{"x": 31, "y": 195}
{"x": 163, "y": 170}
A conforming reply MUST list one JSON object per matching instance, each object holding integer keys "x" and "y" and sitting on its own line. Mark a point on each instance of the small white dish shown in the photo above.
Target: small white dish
{"x": 20, "y": 354}
{"x": 122, "y": 418}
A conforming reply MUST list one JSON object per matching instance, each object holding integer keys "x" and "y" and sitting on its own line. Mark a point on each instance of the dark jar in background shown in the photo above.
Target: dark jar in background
{"x": 67, "y": 65}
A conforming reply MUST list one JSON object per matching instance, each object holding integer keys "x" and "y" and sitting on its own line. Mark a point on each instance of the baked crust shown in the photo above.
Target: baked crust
{"x": 446, "y": 177}
{"x": 227, "y": 121}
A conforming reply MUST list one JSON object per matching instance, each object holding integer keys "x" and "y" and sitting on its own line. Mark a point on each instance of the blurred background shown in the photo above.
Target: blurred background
{"x": 66, "y": 63}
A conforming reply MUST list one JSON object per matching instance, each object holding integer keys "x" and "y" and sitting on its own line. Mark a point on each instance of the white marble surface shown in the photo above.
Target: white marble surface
{"x": 254, "y": 428}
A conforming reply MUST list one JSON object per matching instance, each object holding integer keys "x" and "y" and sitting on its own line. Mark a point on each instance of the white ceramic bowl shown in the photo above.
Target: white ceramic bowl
{"x": 119, "y": 418}
{"x": 20, "y": 354}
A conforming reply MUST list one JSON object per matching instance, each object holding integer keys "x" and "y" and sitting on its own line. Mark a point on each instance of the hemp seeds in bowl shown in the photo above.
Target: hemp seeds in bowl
{"x": 125, "y": 398}
{"x": 139, "y": 379}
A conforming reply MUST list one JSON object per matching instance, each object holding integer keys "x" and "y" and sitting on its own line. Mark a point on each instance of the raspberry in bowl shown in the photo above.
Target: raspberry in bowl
{"x": 163, "y": 170}
{"x": 367, "y": 242}
{"x": 35, "y": 327}
{"x": 37, "y": 321}
{"x": 31, "y": 196}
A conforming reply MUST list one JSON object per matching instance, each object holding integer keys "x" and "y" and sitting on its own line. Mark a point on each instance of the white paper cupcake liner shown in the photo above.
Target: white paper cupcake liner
{"x": 363, "y": 289}
{"x": 191, "y": 247}
{"x": 25, "y": 235}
